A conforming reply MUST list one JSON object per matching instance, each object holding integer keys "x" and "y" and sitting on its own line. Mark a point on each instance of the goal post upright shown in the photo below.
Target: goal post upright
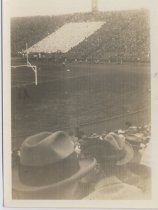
{"x": 29, "y": 65}
{"x": 36, "y": 79}
{"x": 27, "y": 54}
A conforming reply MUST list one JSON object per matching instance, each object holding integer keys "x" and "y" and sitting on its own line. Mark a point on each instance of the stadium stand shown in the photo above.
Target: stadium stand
{"x": 124, "y": 37}
{"x": 73, "y": 33}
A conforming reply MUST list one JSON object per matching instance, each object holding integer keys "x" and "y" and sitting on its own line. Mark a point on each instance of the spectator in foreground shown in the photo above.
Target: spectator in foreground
{"x": 113, "y": 154}
{"x": 49, "y": 168}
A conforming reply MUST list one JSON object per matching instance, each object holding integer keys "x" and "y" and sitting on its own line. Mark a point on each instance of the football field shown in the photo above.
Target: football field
{"x": 94, "y": 97}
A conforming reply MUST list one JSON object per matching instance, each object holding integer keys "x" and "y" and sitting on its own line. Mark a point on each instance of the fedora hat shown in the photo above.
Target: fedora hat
{"x": 47, "y": 162}
{"x": 112, "y": 149}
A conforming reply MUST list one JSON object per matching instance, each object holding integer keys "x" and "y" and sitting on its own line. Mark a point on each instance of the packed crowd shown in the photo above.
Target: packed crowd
{"x": 110, "y": 166}
{"x": 56, "y": 43}
{"x": 124, "y": 36}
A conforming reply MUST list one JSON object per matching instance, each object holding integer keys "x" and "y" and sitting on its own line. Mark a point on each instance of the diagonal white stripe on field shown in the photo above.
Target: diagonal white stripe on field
{"x": 66, "y": 37}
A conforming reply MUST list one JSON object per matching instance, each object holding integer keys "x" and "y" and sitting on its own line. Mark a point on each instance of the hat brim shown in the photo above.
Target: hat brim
{"x": 129, "y": 153}
{"x": 86, "y": 166}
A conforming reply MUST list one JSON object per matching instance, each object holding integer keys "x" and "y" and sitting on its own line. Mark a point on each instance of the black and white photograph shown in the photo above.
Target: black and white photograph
{"x": 80, "y": 87}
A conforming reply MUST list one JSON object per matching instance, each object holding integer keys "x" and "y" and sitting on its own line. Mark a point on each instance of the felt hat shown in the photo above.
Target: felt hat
{"x": 47, "y": 163}
{"x": 112, "y": 149}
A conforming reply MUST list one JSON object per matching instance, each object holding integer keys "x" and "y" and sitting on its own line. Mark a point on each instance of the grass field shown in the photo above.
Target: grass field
{"x": 89, "y": 96}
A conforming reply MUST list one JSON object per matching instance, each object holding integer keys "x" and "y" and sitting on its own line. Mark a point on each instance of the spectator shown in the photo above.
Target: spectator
{"x": 49, "y": 168}
{"x": 123, "y": 37}
{"x": 113, "y": 154}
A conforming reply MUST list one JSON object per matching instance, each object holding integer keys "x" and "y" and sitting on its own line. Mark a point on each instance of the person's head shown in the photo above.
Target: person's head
{"x": 128, "y": 124}
{"x": 49, "y": 167}
{"x": 112, "y": 153}
{"x": 138, "y": 143}
{"x": 79, "y": 133}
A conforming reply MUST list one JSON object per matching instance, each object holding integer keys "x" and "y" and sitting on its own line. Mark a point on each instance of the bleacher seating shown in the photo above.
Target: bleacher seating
{"x": 124, "y": 37}
{"x": 66, "y": 37}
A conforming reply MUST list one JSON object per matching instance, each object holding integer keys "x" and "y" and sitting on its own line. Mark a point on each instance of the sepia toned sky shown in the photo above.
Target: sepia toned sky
{"x": 55, "y": 7}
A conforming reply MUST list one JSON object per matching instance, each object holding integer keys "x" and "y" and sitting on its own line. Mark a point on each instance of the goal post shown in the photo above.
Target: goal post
{"x": 33, "y": 67}
{"x": 29, "y": 65}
